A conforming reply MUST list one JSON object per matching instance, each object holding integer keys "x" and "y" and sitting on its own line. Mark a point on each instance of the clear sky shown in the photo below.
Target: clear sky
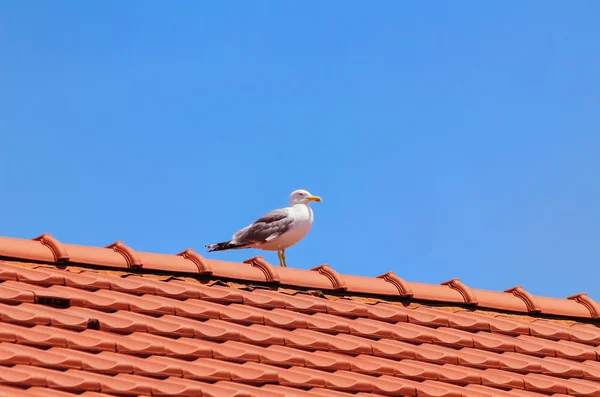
{"x": 447, "y": 139}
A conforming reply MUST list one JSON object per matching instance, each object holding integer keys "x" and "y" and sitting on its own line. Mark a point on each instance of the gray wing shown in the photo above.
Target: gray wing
{"x": 266, "y": 228}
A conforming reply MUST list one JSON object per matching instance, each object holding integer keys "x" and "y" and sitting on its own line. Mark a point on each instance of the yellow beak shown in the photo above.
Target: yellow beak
{"x": 314, "y": 198}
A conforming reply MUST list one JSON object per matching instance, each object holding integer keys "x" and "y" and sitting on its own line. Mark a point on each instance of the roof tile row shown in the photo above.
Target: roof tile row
{"x": 45, "y": 248}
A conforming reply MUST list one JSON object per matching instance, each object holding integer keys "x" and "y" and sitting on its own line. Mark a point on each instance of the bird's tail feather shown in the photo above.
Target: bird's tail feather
{"x": 224, "y": 246}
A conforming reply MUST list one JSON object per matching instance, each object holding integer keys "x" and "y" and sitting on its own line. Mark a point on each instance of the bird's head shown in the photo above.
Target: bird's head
{"x": 303, "y": 197}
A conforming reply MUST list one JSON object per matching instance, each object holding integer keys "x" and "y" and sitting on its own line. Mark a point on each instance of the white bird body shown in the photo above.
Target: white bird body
{"x": 303, "y": 219}
{"x": 276, "y": 230}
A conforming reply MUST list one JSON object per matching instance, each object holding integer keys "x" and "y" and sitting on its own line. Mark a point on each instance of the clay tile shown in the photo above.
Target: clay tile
{"x": 298, "y": 303}
{"x": 486, "y": 391}
{"x": 142, "y": 366}
{"x": 109, "y": 321}
{"x": 383, "y": 366}
{"x": 268, "y": 300}
{"x": 271, "y": 274}
{"x": 130, "y": 285}
{"x": 589, "y": 304}
{"x": 420, "y": 315}
{"x": 87, "y": 281}
{"x": 37, "y": 391}
{"x": 114, "y": 342}
{"x": 346, "y": 308}
{"x": 181, "y": 347}
{"x": 54, "y": 336}
{"x": 317, "y": 391}
{"x": 37, "y": 336}
{"x": 93, "y": 362}
{"x": 468, "y": 295}
{"x": 452, "y": 337}
{"x": 167, "y": 289}
{"x": 93, "y": 394}
{"x": 196, "y": 388}
{"x": 76, "y": 381}
{"x": 198, "y": 260}
{"x": 339, "y": 380}
{"x": 15, "y": 295}
{"x": 213, "y": 293}
{"x": 275, "y": 355}
{"x": 278, "y": 317}
{"x": 568, "y": 368}
{"x": 58, "y": 250}
{"x": 386, "y": 384}
{"x": 247, "y": 372}
{"x": 318, "y": 321}
{"x": 530, "y": 300}
{"x": 544, "y": 383}
{"x": 165, "y": 325}
{"x": 330, "y": 361}
{"x": 22, "y": 315}
{"x": 191, "y": 369}
{"x": 403, "y": 287}
{"x": 58, "y": 317}
{"x": 142, "y": 304}
{"x": 250, "y": 390}
{"x": 11, "y": 354}
{"x": 19, "y": 375}
{"x": 386, "y": 314}
{"x": 39, "y": 276}
{"x": 337, "y": 282}
{"x": 213, "y": 329}
{"x": 129, "y": 254}
{"x": 112, "y": 384}
{"x": 566, "y": 349}
{"x": 172, "y": 386}
{"x": 510, "y": 361}
{"x": 499, "y": 378}
{"x": 299, "y": 338}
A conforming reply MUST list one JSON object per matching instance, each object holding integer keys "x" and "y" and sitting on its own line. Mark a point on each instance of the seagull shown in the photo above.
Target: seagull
{"x": 276, "y": 230}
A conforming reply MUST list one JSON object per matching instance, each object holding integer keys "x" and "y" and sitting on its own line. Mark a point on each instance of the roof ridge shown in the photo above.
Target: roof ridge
{"x": 46, "y": 248}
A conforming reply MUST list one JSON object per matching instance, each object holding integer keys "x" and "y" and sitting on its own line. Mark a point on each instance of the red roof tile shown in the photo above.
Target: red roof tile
{"x": 95, "y": 322}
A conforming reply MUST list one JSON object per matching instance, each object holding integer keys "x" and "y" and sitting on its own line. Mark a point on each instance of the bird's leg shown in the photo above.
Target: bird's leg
{"x": 279, "y": 253}
{"x": 283, "y": 257}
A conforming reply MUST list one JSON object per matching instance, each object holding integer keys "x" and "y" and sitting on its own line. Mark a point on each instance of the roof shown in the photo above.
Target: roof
{"x": 93, "y": 321}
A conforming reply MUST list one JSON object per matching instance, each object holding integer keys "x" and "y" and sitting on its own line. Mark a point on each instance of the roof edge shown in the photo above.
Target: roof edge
{"x": 47, "y": 249}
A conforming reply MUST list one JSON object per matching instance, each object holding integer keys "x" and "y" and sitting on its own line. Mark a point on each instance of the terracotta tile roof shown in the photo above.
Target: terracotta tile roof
{"x": 91, "y": 321}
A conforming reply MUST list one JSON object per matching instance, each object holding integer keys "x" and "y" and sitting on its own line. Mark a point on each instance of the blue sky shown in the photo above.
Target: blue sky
{"x": 446, "y": 139}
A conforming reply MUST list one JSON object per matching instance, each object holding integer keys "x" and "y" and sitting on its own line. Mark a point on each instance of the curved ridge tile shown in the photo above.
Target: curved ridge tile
{"x": 402, "y": 286}
{"x": 25, "y": 249}
{"x": 58, "y": 250}
{"x": 591, "y": 305}
{"x": 96, "y": 256}
{"x": 436, "y": 293}
{"x": 465, "y": 291}
{"x": 198, "y": 260}
{"x": 132, "y": 258}
{"x": 531, "y": 302}
{"x": 167, "y": 263}
{"x": 337, "y": 282}
{"x": 369, "y": 285}
{"x": 271, "y": 274}
{"x": 236, "y": 271}
{"x": 45, "y": 248}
